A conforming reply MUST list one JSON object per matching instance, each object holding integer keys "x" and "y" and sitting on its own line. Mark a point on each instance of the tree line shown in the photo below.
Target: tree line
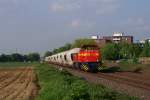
{"x": 110, "y": 51}
{"x": 77, "y": 43}
{"x": 114, "y": 51}
{"x": 16, "y": 57}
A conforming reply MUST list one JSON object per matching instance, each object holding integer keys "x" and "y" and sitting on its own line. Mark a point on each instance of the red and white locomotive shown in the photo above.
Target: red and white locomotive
{"x": 87, "y": 58}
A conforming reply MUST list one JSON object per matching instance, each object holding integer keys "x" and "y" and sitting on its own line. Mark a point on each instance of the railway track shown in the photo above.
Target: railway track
{"x": 131, "y": 80}
{"x": 126, "y": 80}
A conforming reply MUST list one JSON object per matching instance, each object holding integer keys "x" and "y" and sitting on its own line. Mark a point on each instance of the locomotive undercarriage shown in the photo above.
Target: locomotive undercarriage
{"x": 88, "y": 66}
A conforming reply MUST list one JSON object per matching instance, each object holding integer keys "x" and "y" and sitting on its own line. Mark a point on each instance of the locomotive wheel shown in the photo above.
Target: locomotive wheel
{"x": 76, "y": 65}
{"x": 85, "y": 67}
{"x": 99, "y": 67}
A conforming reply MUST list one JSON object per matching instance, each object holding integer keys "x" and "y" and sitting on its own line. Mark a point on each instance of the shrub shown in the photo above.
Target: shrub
{"x": 78, "y": 91}
{"x": 110, "y": 52}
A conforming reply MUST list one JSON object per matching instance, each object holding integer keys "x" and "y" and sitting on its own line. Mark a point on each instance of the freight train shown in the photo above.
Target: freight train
{"x": 87, "y": 58}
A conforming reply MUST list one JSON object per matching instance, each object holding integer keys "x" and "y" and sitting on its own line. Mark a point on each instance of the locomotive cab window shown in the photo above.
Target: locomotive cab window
{"x": 72, "y": 56}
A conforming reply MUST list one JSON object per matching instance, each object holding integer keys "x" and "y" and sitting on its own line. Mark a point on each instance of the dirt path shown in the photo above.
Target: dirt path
{"x": 18, "y": 84}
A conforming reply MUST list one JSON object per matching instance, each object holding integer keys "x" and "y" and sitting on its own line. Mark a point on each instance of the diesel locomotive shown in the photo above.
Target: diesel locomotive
{"x": 87, "y": 58}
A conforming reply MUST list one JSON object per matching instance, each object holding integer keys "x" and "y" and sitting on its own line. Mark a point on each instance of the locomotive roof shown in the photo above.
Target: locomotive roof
{"x": 85, "y": 46}
{"x": 71, "y": 50}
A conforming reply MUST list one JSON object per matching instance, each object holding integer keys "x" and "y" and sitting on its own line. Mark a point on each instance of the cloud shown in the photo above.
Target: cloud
{"x": 93, "y": 6}
{"x": 107, "y": 9}
{"x": 103, "y": 7}
{"x": 81, "y": 24}
{"x": 5, "y": 3}
{"x": 57, "y": 7}
{"x": 144, "y": 28}
{"x": 9, "y": 6}
{"x": 75, "y": 23}
{"x": 135, "y": 21}
{"x": 137, "y": 24}
{"x": 64, "y": 5}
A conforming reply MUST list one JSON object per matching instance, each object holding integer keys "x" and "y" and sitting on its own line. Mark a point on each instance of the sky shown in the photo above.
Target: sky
{"x": 41, "y": 25}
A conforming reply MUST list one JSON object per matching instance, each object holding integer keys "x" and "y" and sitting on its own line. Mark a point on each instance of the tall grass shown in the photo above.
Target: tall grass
{"x": 61, "y": 85}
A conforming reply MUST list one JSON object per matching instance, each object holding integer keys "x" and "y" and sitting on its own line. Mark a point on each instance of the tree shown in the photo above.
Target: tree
{"x": 110, "y": 51}
{"x": 25, "y": 58}
{"x": 128, "y": 51}
{"x": 125, "y": 51}
{"x": 33, "y": 57}
{"x": 146, "y": 50}
{"x": 48, "y": 53}
{"x": 67, "y": 46}
{"x": 80, "y": 42}
{"x": 17, "y": 57}
{"x": 136, "y": 50}
{"x": 4, "y": 58}
{"x": 63, "y": 48}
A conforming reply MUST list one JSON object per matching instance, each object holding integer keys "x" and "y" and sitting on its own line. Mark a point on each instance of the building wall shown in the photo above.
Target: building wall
{"x": 114, "y": 39}
{"x": 102, "y": 42}
{"x": 127, "y": 39}
{"x": 144, "y": 60}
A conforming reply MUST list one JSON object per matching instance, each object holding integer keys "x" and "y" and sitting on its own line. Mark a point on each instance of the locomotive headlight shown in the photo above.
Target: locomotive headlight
{"x": 97, "y": 54}
{"x": 85, "y": 54}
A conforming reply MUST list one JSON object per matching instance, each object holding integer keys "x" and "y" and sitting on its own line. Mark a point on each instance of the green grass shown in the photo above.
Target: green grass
{"x": 16, "y": 64}
{"x": 124, "y": 65}
{"x": 128, "y": 66}
{"x": 61, "y": 85}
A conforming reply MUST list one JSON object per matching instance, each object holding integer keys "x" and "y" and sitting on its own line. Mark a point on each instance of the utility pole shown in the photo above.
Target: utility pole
{"x": 16, "y": 50}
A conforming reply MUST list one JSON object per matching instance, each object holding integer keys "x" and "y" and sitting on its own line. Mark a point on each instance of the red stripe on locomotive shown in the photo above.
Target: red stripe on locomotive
{"x": 88, "y": 56}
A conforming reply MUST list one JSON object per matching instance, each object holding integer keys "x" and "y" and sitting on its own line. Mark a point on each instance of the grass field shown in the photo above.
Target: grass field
{"x": 134, "y": 67}
{"x": 17, "y": 64}
{"x": 124, "y": 66}
{"x": 61, "y": 85}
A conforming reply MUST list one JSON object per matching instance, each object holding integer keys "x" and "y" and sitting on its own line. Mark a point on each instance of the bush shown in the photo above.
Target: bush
{"x": 135, "y": 60}
{"x": 78, "y": 91}
{"x": 110, "y": 52}
{"x": 146, "y": 50}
